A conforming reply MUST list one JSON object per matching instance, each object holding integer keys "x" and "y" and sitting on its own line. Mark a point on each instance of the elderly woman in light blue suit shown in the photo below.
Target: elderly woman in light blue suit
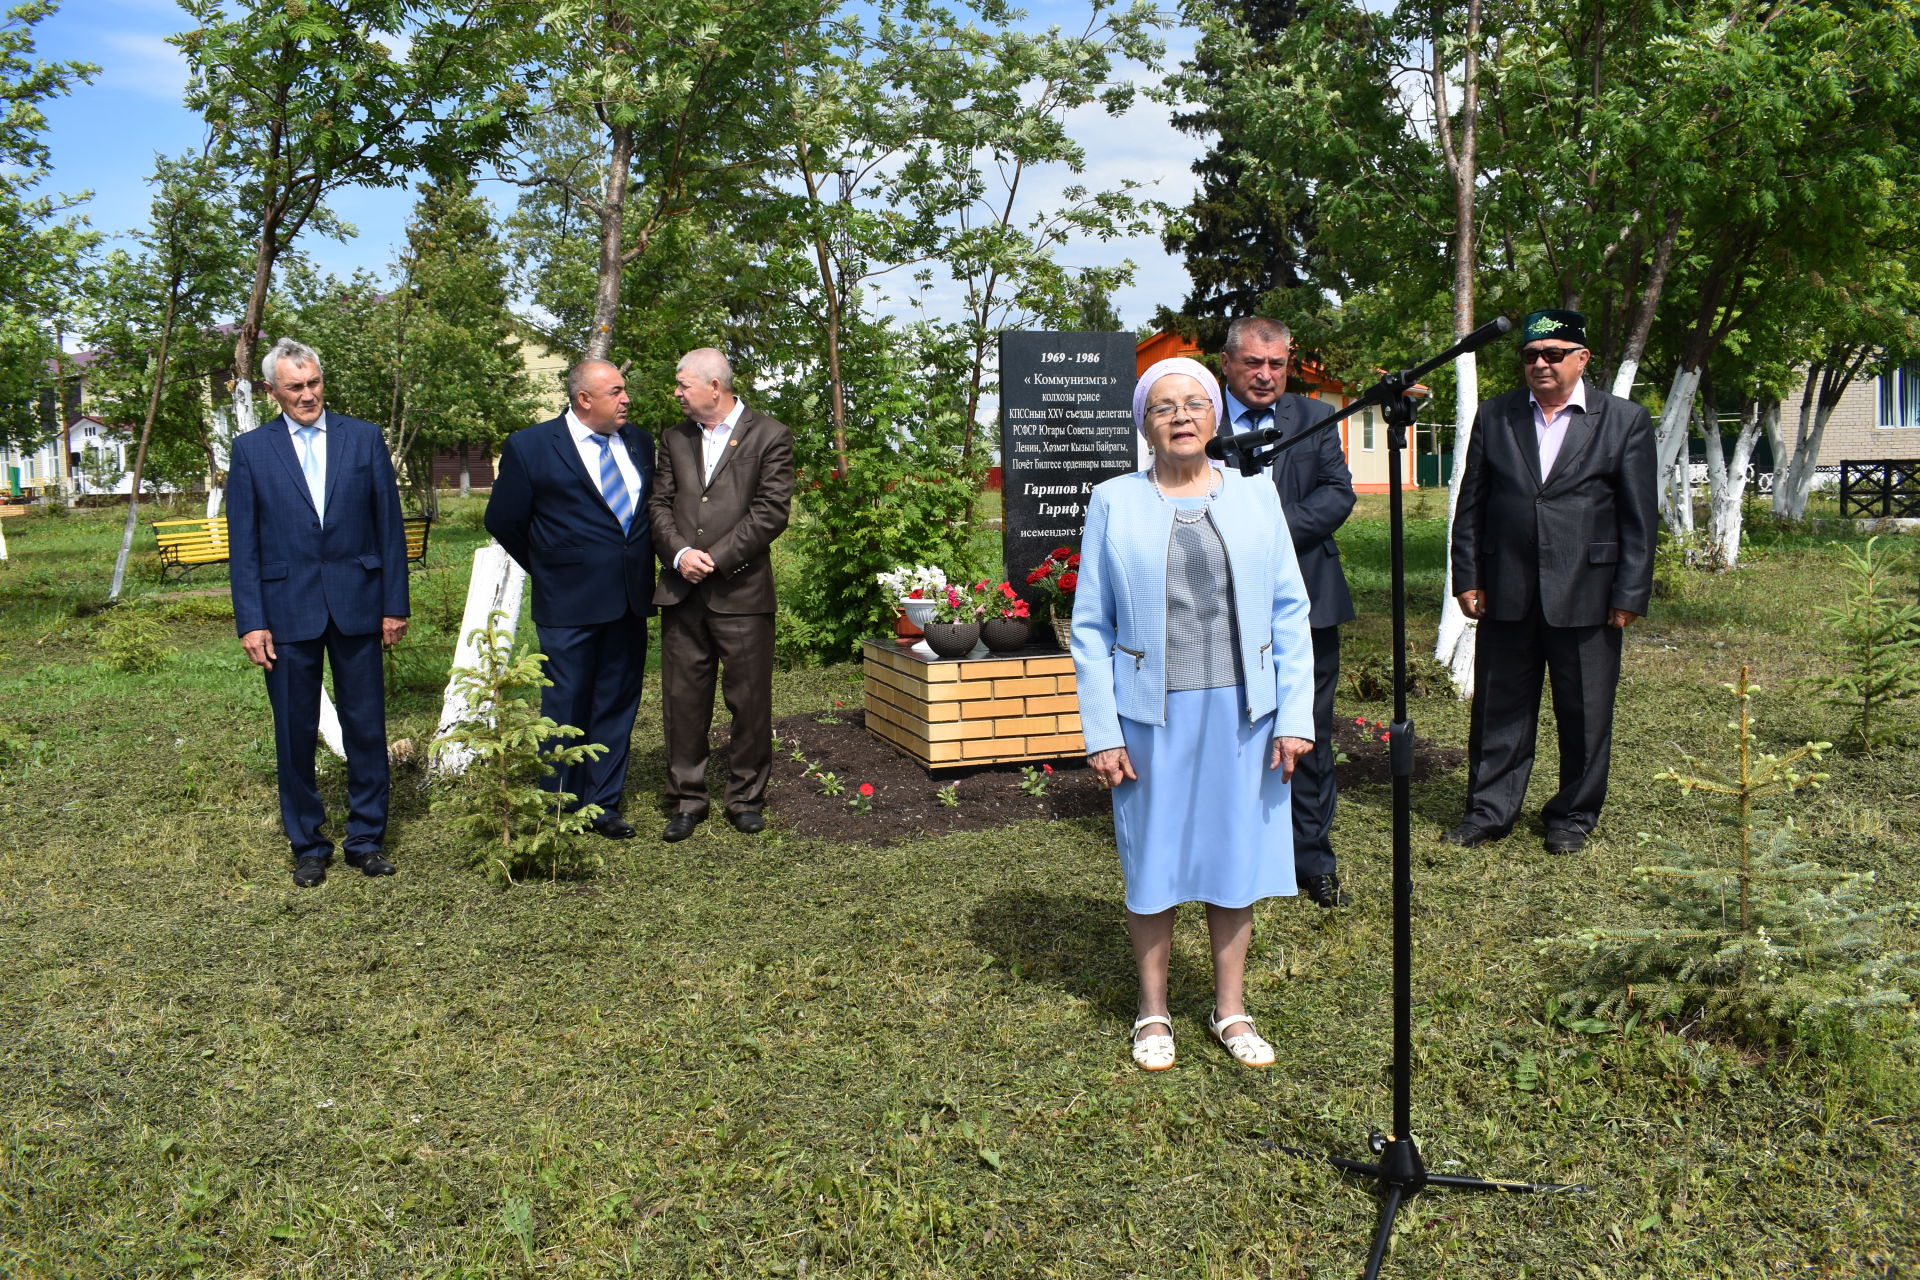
{"x": 1195, "y": 670}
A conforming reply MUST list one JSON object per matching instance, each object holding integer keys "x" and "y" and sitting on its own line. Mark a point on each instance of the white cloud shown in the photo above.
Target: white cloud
{"x": 142, "y": 64}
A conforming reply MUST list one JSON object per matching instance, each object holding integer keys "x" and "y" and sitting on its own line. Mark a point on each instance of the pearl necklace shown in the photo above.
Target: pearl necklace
{"x": 1182, "y": 517}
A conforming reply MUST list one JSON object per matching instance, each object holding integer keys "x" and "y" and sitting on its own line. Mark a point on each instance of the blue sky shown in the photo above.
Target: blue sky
{"x": 104, "y": 138}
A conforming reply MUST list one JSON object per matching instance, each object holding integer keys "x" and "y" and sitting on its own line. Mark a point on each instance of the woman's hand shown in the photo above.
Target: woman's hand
{"x": 1285, "y": 752}
{"x": 1111, "y": 767}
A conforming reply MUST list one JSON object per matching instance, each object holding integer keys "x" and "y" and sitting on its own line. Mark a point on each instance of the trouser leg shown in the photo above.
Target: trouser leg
{"x": 1507, "y": 669}
{"x": 745, "y": 643}
{"x": 1314, "y": 786}
{"x": 1583, "y": 664}
{"x": 687, "y": 665}
{"x": 568, "y": 700}
{"x": 293, "y": 691}
{"x": 359, "y": 689}
{"x": 620, "y": 659}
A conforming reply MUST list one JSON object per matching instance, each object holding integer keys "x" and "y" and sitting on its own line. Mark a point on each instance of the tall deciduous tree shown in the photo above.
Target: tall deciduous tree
{"x": 42, "y": 263}
{"x": 305, "y": 99}
{"x": 190, "y": 270}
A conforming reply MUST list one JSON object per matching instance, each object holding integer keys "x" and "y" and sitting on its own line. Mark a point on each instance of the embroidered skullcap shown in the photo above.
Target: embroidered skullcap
{"x": 1566, "y": 326}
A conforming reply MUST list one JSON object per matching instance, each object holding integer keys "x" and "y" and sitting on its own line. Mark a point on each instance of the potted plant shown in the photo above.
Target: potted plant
{"x": 955, "y": 626}
{"x": 911, "y": 590}
{"x": 1005, "y": 627}
{"x": 1056, "y": 578}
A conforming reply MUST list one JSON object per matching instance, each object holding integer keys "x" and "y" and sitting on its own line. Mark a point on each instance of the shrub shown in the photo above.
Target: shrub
{"x": 1877, "y": 638}
{"x": 133, "y": 638}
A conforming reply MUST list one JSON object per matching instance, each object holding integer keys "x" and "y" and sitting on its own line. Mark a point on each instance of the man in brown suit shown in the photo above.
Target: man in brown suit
{"x": 721, "y": 495}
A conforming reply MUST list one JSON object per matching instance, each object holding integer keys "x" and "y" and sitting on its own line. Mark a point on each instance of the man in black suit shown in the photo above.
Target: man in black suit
{"x": 319, "y": 569}
{"x": 569, "y": 504}
{"x": 1553, "y": 536}
{"x": 1316, "y": 493}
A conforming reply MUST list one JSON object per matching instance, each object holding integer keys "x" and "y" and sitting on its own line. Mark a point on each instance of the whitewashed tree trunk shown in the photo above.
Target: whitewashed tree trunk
{"x": 3, "y": 541}
{"x": 496, "y": 585}
{"x": 1676, "y": 504}
{"x": 1729, "y": 484}
{"x": 1794, "y": 485}
{"x": 1454, "y": 646}
{"x": 1624, "y": 376}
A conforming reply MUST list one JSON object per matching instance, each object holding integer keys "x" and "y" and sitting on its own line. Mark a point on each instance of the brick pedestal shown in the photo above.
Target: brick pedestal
{"x": 1003, "y": 707}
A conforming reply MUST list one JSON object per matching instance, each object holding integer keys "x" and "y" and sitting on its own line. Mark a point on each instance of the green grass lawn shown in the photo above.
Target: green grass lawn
{"x": 786, "y": 1057}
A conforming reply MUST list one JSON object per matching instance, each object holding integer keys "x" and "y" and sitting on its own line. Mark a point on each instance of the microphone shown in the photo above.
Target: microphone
{"x": 1483, "y": 335}
{"x": 1228, "y": 448}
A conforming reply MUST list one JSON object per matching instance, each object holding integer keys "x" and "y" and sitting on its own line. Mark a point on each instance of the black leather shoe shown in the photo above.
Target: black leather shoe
{"x": 1468, "y": 836}
{"x": 680, "y": 826}
{"x": 747, "y": 822}
{"x": 613, "y": 827}
{"x": 1324, "y": 890}
{"x": 1565, "y": 839}
{"x": 372, "y": 862}
{"x": 308, "y": 872}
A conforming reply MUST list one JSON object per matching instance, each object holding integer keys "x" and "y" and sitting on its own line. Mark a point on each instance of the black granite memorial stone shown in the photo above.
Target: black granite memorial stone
{"x": 1066, "y": 424}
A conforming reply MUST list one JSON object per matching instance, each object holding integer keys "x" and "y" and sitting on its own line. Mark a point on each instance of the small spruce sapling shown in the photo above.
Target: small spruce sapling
{"x": 518, "y": 827}
{"x": 1763, "y": 943}
{"x": 1878, "y": 640}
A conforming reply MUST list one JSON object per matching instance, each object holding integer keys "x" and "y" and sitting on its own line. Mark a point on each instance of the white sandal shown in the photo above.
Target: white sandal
{"x": 1247, "y": 1048}
{"x": 1153, "y": 1053}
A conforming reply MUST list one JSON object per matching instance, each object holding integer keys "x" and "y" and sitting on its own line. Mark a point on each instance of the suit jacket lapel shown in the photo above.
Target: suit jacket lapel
{"x": 1581, "y": 429}
{"x": 570, "y": 455}
{"x": 1520, "y": 422}
{"x": 336, "y": 456}
{"x": 280, "y": 440}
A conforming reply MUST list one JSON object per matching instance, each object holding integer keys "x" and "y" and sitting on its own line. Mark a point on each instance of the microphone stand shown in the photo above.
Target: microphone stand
{"x": 1397, "y": 1166}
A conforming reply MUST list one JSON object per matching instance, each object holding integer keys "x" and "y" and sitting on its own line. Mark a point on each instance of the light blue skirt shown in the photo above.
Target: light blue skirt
{"x": 1206, "y": 821}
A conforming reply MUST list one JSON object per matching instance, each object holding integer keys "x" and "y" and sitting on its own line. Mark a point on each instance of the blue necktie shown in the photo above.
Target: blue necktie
{"x": 310, "y": 465}
{"x": 612, "y": 486}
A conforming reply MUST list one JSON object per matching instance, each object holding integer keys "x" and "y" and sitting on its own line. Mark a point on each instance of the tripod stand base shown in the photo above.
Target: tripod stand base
{"x": 1402, "y": 1175}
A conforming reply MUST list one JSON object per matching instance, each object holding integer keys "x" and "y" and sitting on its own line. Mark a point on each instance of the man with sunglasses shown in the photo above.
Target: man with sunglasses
{"x": 1553, "y": 538}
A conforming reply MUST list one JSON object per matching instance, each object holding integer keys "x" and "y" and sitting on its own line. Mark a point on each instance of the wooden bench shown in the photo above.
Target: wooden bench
{"x": 186, "y": 545}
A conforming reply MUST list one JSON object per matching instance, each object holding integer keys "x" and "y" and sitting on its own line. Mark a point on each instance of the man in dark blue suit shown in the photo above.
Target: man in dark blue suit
{"x": 319, "y": 566}
{"x": 570, "y": 505}
{"x": 1316, "y": 493}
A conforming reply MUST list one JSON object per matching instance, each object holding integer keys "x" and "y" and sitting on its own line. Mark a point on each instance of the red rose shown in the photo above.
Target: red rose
{"x": 1033, "y": 579}
{"x": 866, "y": 788}
{"x": 1061, "y": 553}
{"x": 1073, "y": 561}
{"x": 1069, "y": 580}
{"x": 914, "y": 594}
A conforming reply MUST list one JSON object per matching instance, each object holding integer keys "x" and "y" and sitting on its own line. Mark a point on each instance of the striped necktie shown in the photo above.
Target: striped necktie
{"x": 613, "y": 486}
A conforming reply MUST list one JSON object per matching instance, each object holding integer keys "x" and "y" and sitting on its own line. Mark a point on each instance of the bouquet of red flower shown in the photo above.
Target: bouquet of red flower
{"x": 1057, "y": 575}
{"x": 1004, "y": 602}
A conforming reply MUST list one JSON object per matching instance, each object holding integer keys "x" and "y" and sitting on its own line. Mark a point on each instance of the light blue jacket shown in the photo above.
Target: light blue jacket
{"x": 1120, "y": 607}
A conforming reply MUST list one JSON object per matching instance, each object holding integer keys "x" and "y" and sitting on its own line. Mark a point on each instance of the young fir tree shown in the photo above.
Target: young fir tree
{"x": 1763, "y": 943}
{"x": 1878, "y": 640}
{"x": 518, "y": 827}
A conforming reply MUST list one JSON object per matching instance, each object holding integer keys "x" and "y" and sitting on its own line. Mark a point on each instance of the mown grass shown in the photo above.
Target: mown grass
{"x": 785, "y": 1057}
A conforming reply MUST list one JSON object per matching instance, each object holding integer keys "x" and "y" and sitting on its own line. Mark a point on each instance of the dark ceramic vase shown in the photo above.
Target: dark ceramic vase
{"x": 952, "y": 639}
{"x": 1004, "y": 635}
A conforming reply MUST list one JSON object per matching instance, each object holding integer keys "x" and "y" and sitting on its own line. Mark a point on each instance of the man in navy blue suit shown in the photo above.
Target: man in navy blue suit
{"x": 319, "y": 566}
{"x": 570, "y": 505}
{"x": 1316, "y": 494}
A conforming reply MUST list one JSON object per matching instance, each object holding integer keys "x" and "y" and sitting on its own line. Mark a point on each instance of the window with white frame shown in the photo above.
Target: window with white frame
{"x": 1900, "y": 397}
{"x": 1366, "y": 431}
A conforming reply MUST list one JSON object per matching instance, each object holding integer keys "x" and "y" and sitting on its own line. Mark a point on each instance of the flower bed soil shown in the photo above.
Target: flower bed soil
{"x": 906, "y": 799}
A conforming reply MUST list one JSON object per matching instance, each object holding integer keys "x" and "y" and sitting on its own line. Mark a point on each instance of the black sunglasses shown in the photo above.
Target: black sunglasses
{"x": 1552, "y": 355}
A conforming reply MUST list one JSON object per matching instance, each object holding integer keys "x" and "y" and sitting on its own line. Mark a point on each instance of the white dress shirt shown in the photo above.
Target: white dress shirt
{"x": 714, "y": 437}
{"x": 1550, "y": 430}
{"x": 584, "y": 439}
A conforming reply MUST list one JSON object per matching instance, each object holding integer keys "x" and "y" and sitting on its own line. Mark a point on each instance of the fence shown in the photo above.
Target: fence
{"x": 1880, "y": 490}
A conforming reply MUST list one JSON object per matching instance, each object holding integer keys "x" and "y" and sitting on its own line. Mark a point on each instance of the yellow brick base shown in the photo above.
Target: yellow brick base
{"x": 993, "y": 710}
